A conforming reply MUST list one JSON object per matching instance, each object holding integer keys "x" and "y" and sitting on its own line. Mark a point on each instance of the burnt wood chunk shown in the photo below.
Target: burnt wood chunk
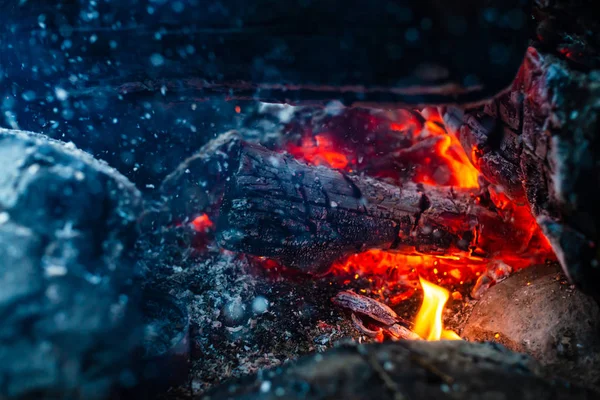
{"x": 540, "y": 143}
{"x": 197, "y": 185}
{"x": 307, "y": 216}
{"x": 405, "y": 370}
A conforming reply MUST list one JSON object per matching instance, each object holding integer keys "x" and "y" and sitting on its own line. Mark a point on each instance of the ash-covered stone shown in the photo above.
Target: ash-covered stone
{"x": 536, "y": 311}
{"x": 67, "y": 223}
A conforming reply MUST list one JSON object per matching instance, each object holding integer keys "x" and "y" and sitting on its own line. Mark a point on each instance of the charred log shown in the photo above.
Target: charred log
{"x": 197, "y": 185}
{"x": 406, "y": 370}
{"x": 307, "y": 216}
{"x": 539, "y": 143}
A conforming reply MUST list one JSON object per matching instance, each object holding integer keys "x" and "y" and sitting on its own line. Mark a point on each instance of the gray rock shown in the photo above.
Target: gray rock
{"x": 536, "y": 311}
{"x": 69, "y": 315}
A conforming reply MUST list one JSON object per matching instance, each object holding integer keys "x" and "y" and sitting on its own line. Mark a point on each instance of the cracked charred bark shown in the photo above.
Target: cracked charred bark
{"x": 539, "y": 143}
{"x": 307, "y": 217}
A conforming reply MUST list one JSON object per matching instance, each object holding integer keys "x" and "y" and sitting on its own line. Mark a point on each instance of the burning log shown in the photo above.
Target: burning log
{"x": 539, "y": 143}
{"x": 307, "y": 217}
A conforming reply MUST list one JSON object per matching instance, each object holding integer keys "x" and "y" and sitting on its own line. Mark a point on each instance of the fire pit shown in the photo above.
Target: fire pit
{"x": 268, "y": 231}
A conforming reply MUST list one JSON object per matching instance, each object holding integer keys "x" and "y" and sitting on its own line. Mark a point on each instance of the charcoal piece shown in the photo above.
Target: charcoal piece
{"x": 392, "y": 52}
{"x": 551, "y": 159}
{"x": 486, "y": 136}
{"x": 69, "y": 314}
{"x": 405, "y": 370}
{"x": 496, "y": 272}
{"x": 308, "y": 216}
{"x": 536, "y": 311}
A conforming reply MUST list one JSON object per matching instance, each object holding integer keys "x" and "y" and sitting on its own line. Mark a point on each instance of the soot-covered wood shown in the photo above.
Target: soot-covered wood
{"x": 307, "y": 216}
{"x": 405, "y": 370}
{"x": 539, "y": 142}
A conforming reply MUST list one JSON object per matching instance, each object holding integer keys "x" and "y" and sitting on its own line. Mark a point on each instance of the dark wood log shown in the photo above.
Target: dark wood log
{"x": 540, "y": 143}
{"x": 394, "y": 51}
{"x": 406, "y": 370}
{"x": 308, "y": 216}
{"x": 197, "y": 185}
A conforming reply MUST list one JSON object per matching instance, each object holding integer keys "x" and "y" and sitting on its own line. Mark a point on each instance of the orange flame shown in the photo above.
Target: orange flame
{"x": 449, "y": 149}
{"x": 403, "y": 143}
{"x": 428, "y": 323}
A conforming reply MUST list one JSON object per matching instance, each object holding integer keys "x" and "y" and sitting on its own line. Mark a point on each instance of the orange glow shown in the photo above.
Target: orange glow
{"x": 202, "y": 223}
{"x": 429, "y": 323}
{"x": 394, "y": 276}
{"x": 399, "y": 145}
{"x": 406, "y": 145}
{"x": 319, "y": 150}
{"x": 520, "y": 216}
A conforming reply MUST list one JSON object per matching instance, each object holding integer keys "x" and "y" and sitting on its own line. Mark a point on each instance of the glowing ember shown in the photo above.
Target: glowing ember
{"x": 395, "y": 275}
{"x": 202, "y": 223}
{"x": 520, "y": 216}
{"x": 398, "y": 145}
{"x": 319, "y": 150}
{"x": 429, "y": 323}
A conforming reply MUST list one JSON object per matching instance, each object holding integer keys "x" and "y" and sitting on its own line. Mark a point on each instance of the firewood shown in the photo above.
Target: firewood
{"x": 308, "y": 216}
{"x": 406, "y": 370}
{"x": 539, "y": 143}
